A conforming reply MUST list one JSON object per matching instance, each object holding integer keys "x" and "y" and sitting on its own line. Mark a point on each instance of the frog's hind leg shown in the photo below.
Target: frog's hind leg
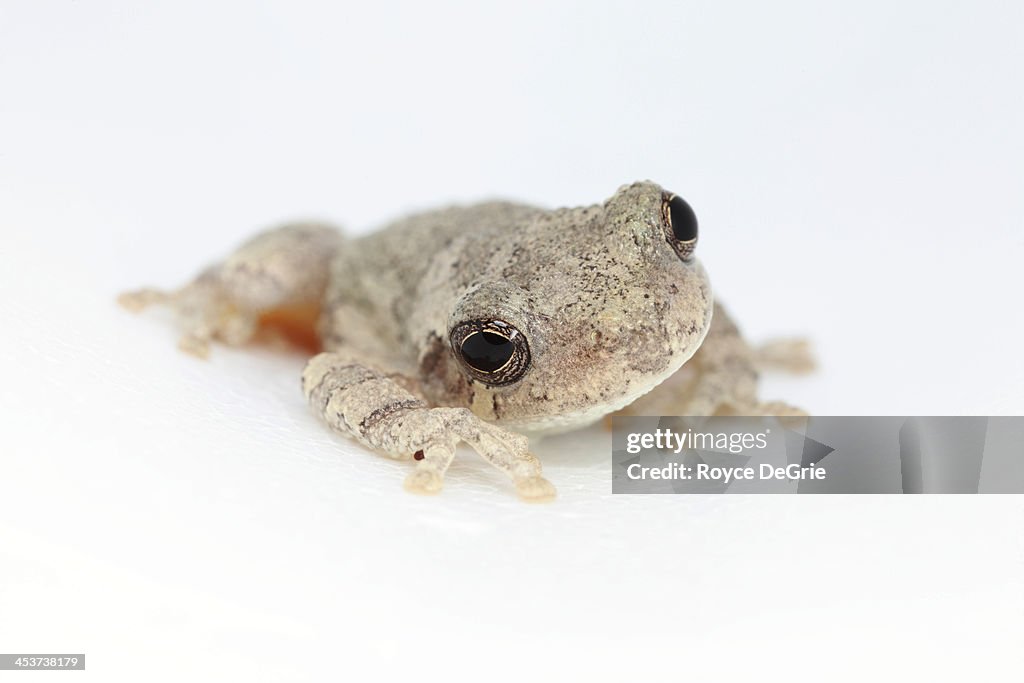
{"x": 275, "y": 279}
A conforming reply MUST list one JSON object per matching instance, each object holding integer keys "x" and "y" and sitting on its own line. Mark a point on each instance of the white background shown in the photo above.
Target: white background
{"x": 857, "y": 171}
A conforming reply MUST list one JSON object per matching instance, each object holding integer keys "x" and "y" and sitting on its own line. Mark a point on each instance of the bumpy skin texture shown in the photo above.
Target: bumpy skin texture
{"x": 602, "y": 306}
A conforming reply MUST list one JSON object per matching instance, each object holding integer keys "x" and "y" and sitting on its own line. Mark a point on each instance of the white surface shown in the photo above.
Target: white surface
{"x": 857, "y": 171}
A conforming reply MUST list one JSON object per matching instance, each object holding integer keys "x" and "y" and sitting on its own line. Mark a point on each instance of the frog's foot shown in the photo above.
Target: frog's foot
{"x": 444, "y": 428}
{"x": 273, "y": 281}
{"x": 381, "y": 413}
{"x": 203, "y": 311}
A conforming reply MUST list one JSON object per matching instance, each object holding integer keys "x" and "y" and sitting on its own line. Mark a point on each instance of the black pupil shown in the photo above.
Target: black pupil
{"x": 487, "y": 351}
{"x": 684, "y": 220}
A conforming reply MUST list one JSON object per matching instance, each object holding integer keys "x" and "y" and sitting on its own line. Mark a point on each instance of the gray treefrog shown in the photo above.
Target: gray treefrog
{"x": 487, "y": 323}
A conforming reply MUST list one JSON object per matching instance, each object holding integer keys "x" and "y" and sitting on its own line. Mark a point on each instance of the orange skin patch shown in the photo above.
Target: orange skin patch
{"x": 295, "y": 324}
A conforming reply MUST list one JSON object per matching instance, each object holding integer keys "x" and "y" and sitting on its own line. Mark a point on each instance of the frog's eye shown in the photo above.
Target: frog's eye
{"x": 680, "y": 225}
{"x": 491, "y": 351}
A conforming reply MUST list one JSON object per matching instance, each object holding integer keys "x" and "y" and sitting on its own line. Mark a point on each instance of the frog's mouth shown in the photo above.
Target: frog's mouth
{"x": 545, "y": 425}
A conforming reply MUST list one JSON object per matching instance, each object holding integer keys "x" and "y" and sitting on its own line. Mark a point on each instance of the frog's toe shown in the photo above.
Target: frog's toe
{"x": 197, "y": 345}
{"x": 138, "y": 299}
{"x": 535, "y": 489}
{"x": 786, "y": 355}
{"x": 425, "y": 481}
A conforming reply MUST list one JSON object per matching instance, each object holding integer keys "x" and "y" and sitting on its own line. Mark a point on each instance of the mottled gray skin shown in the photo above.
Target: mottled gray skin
{"x": 607, "y": 306}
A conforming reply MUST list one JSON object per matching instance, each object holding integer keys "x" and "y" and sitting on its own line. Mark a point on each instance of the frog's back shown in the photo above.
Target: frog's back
{"x": 376, "y": 281}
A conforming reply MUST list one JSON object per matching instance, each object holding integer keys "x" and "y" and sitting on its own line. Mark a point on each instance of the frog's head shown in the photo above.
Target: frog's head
{"x": 585, "y": 310}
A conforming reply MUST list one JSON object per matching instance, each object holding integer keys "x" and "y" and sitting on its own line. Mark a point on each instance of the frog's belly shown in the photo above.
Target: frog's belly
{"x": 660, "y": 399}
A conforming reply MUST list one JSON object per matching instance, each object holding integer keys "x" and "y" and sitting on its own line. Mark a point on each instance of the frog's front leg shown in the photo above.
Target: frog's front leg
{"x": 722, "y": 377}
{"x": 381, "y": 413}
{"x": 284, "y": 269}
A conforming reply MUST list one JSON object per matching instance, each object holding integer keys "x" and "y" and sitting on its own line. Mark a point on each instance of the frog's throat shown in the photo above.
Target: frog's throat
{"x": 546, "y": 425}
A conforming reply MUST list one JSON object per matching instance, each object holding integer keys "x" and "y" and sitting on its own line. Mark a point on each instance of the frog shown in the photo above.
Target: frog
{"x": 490, "y": 324}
